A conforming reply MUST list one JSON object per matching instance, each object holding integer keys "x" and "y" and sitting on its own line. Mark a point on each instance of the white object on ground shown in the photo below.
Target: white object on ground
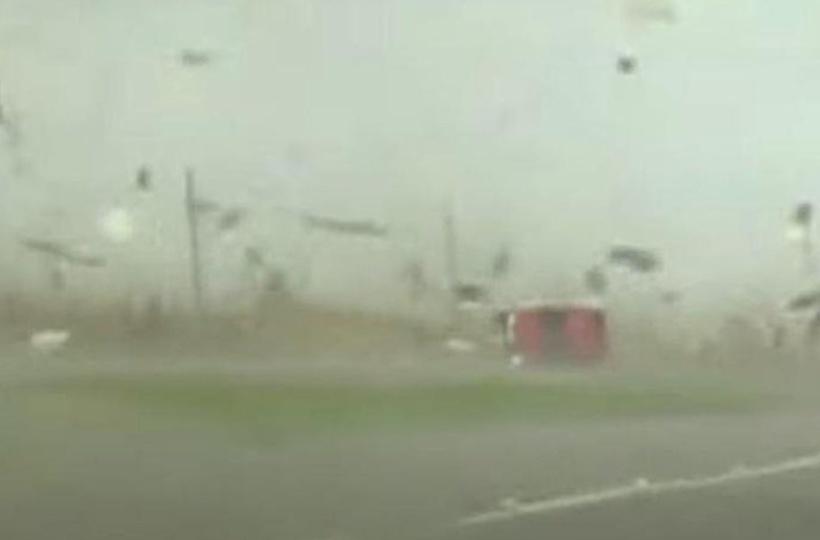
{"x": 516, "y": 361}
{"x": 461, "y": 345}
{"x": 117, "y": 225}
{"x": 642, "y": 487}
{"x": 49, "y": 341}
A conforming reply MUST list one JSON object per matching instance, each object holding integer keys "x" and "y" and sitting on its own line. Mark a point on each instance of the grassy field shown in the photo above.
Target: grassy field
{"x": 273, "y": 412}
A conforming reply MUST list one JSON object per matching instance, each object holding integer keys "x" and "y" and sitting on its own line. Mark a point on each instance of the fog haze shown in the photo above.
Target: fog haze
{"x": 386, "y": 111}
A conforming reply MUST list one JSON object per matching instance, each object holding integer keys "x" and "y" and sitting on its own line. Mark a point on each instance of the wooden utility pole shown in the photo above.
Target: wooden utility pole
{"x": 194, "y": 254}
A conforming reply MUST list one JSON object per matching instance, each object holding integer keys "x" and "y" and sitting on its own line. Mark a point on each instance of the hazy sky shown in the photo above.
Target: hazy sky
{"x": 383, "y": 109}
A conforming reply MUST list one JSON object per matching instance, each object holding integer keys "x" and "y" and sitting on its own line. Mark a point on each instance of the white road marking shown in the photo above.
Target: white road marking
{"x": 640, "y": 487}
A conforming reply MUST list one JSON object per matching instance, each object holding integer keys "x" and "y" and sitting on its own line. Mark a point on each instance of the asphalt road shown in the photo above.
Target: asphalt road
{"x": 775, "y": 508}
{"x": 67, "y": 474}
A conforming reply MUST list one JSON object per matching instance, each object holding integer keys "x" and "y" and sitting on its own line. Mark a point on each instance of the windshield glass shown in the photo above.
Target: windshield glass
{"x": 422, "y": 269}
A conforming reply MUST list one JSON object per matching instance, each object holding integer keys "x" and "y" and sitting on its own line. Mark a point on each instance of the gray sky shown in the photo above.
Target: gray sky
{"x": 380, "y": 109}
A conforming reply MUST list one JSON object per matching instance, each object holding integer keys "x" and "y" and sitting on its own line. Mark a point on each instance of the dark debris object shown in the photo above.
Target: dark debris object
{"x": 195, "y": 57}
{"x": 636, "y": 259}
{"x": 804, "y": 301}
{"x": 803, "y": 214}
{"x": 354, "y": 228}
{"x": 469, "y": 292}
{"x": 596, "y": 281}
{"x": 144, "y": 181}
{"x": 63, "y": 253}
{"x": 627, "y": 64}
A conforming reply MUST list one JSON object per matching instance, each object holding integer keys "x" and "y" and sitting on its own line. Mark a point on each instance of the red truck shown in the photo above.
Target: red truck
{"x": 556, "y": 332}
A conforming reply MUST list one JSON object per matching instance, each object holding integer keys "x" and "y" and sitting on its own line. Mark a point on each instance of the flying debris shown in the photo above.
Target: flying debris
{"x": 805, "y": 301}
{"x": 470, "y": 293}
{"x": 195, "y": 57}
{"x": 800, "y": 232}
{"x": 803, "y": 214}
{"x": 230, "y": 219}
{"x": 596, "y": 281}
{"x": 635, "y": 259}
{"x": 353, "y": 228}
{"x": 800, "y": 224}
{"x": 627, "y": 64}
{"x": 58, "y": 256}
{"x": 62, "y": 253}
{"x": 144, "y": 181}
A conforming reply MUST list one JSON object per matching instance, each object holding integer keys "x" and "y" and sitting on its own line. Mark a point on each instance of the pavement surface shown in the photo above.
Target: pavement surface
{"x": 76, "y": 470}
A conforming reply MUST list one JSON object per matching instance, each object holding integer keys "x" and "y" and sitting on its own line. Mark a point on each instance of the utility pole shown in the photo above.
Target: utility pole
{"x": 191, "y": 209}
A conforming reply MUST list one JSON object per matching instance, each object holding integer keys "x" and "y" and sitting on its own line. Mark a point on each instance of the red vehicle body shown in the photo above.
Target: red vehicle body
{"x": 547, "y": 332}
